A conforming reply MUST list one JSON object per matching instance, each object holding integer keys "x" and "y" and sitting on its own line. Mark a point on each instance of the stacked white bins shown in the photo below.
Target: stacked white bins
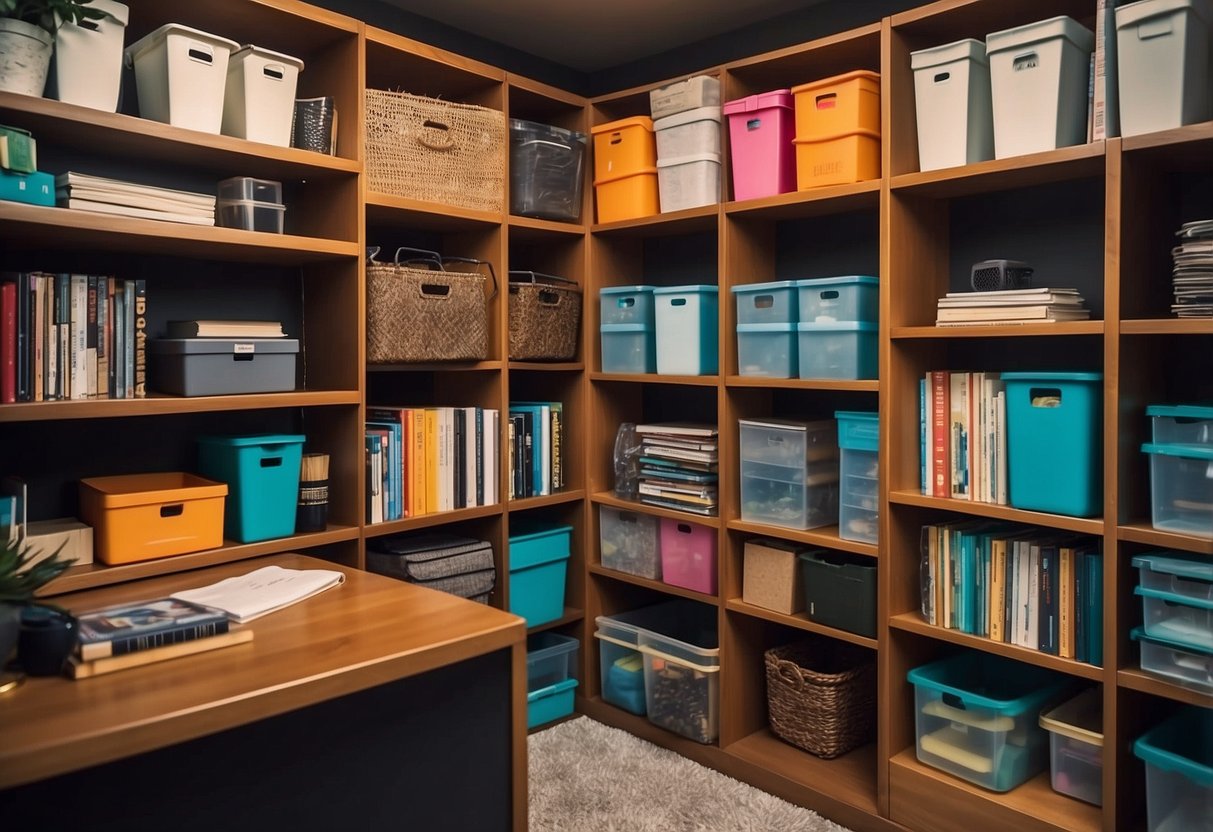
{"x": 1163, "y": 54}
{"x": 688, "y": 143}
{"x": 180, "y": 74}
{"x": 260, "y": 100}
{"x": 952, "y": 100}
{"x": 1039, "y": 77}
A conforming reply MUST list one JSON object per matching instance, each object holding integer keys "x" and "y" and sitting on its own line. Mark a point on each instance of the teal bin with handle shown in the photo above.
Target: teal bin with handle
{"x": 1055, "y": 442}
{"x": 538, "y": 559}
{"x": 551, "y": 661}
{"x": 262, "y": 475}
{"x": 1178, "y": 755}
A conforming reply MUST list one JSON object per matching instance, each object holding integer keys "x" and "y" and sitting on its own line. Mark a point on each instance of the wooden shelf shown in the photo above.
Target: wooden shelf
{"x": 834, "y": 199}
{"x": 1000, "y": 331}
{"x": 655, "y": 378}
{"x": 690, "y": 221}
{"x": 165, "y": 405}
{"x": 606, "y": 498}
{"x": 438, "y": 367}
{"x": 850, "y": 779}
{"x": 800, "y": 622}
{"x": 1082, "y": 525}
{"x": 668, "y": 589}
{"x": 1168, "y": 326}
{"x": 571, "y": 616}
{"x": 1143, "y": 682}
{"x": 425, "y": 521}
{"x": 1187, "y": 148}
{"x": 386, "y": 209}
{"x": 1143, "y": 532}
{"x": 826, "y": 536}
{"x": 98, "y": 574}
{"x": 547, "y": 366}
{"x": 35, "y": 226}
{"x": 911, "y": 622}
{"x": 1062, "y": 165}
{"x": 839, "y": 385}
{"x": 537, "y": 230}
{"x": 557, "y": 499}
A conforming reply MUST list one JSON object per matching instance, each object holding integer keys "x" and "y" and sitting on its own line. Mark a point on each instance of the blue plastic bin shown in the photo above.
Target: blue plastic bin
{"x": 262, "y": 475}
{"x": 767, "y": 303}
{"x": 1182, "y": 424}
{"x": 1179, "y": 771}
{"x": 551, "y": 662}
{"x": 767, "y": 350}
{"x": 628, "y": 348}
{"x": 977, "y": 717}
{"x": 838, "y": 350}
{"x": 1054, "y": 442}
{"x": 851, "y": 298}
{"x": 859, "y": 491}
{"x": 538, "y": 562}
{"x": 686, "y": 330}
{"x": 626, "y": 305}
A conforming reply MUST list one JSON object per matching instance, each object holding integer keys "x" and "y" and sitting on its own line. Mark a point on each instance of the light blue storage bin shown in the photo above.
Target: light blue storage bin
{"x": 767, "y": 303}
{"x": 686, "y": 330}
{"x": 838, "y": 350}
{"x": 629, "y": 348}
{"x": 1182, "y": 424}
{"x": 551, "y": 661}
{"x": 767, "y": 350}
{"x": 626, "y": 305}
{"x": 262, "y": 476}
{"x": 1179, "y": 771}
{"x": 538, "y": 561}
{"x": 1055, "y": 442}
{"x": 1181, "y": 488}
{"x": 859, "y": 485}
{"x": 977, "y": 717}
{"x": 851, "y": 298}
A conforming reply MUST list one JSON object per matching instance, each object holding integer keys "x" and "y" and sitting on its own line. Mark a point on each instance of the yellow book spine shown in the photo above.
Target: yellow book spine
{"x": 998, "y": 597}
{"x": 1065, "y": 605}
{"x": 417, "y": 431}
{"x": 431, "y": 460}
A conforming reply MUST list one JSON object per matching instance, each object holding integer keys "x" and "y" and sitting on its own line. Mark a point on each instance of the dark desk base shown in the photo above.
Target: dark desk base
{"x": 431, "y": 752}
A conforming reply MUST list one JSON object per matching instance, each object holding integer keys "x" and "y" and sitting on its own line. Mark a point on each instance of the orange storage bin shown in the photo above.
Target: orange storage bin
{"x": 625, "y": 169}
{"x": 838, "y": 130}
{"x": 145, "y": 516}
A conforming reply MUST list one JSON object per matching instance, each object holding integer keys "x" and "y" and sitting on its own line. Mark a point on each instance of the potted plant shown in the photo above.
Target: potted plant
{"x": 22, "y": 574}
{"x": 27, "y": 33}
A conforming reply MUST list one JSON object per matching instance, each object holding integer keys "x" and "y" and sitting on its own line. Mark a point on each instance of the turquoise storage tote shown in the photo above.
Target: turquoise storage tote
{"x": 551, "y": 660}
{"x": 262, "y": 475}
{"x": 1055, "y": 442}
{"x": 1179, "y": 771}
{"x": 538, "y": 562}
{"x": 767, "y": 303}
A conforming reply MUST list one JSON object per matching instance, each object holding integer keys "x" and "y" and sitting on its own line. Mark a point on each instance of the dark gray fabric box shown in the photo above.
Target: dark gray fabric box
{"x": 222, "y": 366}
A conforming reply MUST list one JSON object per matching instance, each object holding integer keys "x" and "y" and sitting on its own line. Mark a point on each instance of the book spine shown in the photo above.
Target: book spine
{"x": 924, "y": 476}
{"x": 960, "y": 435}
{"x": 431, "y": 460}
{"x": 557, "y": 446}
{"x": 1080, "y": 606}
{"x": 8, "y": 342}
{"x": 102, "y": 339}
{"x": 481, "y": 456}
{"x": 129, "y": 352}
{"x": 1095, "y": 602}
{"x": 939, "y": 439}
{"x": 111, "y": 335}
{"x": 90, "y": 354}
{"x": 50, "y": 344}
{"x": 1032, "y": 613}
{"x": 492, "y": 460}
{"x": 421, "y": 497}
{"x": 458, "y": 462}
{"x": 1065, "y": 601}
{"x": 63, "y": 300}
{"x": 368, "y": 481}
{"x": 515, "y": 457}
{"x": 1044, "y": 613}
{"x": 38, "y": 333}
{"x": 78, "y": 338}
{"x": 471, "y": 456}
{"x": 147, "y": 641}
{"x": 140, "y": 339}
{"x": 22, "y": 374}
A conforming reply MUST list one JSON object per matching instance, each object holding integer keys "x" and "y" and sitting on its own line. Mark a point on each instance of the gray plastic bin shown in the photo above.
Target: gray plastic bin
{"x": 223, "y": 366}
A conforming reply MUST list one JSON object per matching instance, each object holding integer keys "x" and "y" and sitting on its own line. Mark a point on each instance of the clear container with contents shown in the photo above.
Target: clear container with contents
{"x": 1076, "y": 746}
{"x": 630, "y": 542}
{"x": 249, "y": 215}
{"x": 248, "y": 188}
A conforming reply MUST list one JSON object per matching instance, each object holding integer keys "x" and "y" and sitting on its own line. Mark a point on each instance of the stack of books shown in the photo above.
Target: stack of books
{"x": 963, "y": 436}
{"x": 224, "y": 329}
{"x": 1012, "y": 306}
{"x": 1192, "y": 275}
{"x": 679, "y": 462}
{"x": 83, "y": 192}
{"x": 535, "y": 434}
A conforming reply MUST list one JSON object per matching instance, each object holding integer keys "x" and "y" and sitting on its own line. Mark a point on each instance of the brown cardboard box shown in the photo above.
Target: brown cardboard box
{"x": 45, "y": 536}
{"x": 771, "y": 578}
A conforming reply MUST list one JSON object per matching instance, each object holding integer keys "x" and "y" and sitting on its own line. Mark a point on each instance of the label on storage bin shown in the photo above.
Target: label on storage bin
{"x": 244, "y": 349}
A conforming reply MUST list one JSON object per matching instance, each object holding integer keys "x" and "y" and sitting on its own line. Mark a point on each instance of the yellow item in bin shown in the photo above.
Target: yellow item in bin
{"x": 937, "y": 708}
{"x": 137, "y": 517}
{"x": 625, "y": 169}
{"x": 947, "y": 742}
{"x": 838, "y": 130}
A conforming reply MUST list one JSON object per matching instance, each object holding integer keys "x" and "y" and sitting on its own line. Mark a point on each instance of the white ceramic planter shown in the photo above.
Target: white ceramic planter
{"x": 88, "y": 58}
{"x": 25, "y": 56}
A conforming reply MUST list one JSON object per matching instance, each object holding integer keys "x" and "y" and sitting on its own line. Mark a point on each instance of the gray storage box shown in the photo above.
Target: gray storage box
{"x": 223, "y": 366}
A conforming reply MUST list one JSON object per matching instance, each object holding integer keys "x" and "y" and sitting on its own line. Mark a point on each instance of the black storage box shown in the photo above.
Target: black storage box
{"x": 840, "y": 590}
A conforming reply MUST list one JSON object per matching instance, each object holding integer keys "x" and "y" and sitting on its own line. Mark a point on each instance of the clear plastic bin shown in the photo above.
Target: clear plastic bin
{"x": 767, "y": 303}
{"x": 628, "y": 348}
{"x": 789, "y": 473}
{"x": 688, "y": 555}
{"x": 1179, "y": 772}
{"x": 682, "y": 677}
{"x": 768, "y": 350}
{"x": 626, "y": 305}
{"x": 545, "y": 170}
{"x": 1181, "y": 488}
{"x": 1176, "y": 660}
{"x": 838, "y": 350}
{"x": 686, "y": 329}
{"x": 1172, "y": 616}
{"x": 859, "y": 467}
{"x": 246, "y": 188}
{"x": 630, "y": 542}
{"x": 249, "y": 215}
{"x": 976, "y": 717}
{"x": 1076, "y": 746}
{"x": 1181, "y": 424}
{"x": 851, "y": 298}
{"x": 1189, "y": 578}
{"x": 688, "y": 133}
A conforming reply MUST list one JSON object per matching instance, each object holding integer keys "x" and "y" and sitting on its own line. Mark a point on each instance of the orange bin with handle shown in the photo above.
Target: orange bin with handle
{"x": 139, "y": 517}
{"x": 625, "y": 169}
{"x": 838, "y": 130}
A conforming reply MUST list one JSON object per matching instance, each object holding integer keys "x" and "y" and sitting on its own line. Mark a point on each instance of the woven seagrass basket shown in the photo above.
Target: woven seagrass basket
{"x": 435, "y": 151}
{"x": 420, "y": 309}
{"x": 545, "y": 311}
{"x": 821, "y": 695}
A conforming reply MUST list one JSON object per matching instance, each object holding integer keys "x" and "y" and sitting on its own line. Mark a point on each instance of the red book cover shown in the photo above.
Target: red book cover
{"x": 940, "y": 442}
{"x": 8, "y": 342}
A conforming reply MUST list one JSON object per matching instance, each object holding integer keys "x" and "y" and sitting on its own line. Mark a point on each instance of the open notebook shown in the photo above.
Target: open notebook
{"x": 262, "y": 591}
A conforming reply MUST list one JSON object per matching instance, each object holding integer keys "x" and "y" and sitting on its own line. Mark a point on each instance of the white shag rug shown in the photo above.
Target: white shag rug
{"x": 588, "y": 777}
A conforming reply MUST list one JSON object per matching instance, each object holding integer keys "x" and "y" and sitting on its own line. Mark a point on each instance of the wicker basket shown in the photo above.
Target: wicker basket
{"x": 421, "y": 310}
{"x": 435, "y": 151}
{"x": 821, "y": 695}
{"x": 544, "y": 313}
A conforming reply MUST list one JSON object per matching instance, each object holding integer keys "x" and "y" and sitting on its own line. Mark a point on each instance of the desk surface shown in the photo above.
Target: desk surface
{"x": 366, "y": 632}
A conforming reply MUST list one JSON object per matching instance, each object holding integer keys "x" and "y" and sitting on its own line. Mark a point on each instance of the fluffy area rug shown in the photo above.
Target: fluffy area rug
{"x": 588, "y": 777}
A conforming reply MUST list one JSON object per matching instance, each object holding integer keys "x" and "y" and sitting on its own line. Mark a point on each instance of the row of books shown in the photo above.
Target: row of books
{"x": 1010, "y": 306}
{"x": 535, "y": 434}
{"x": 679, "y": 465}
{"x": 1028, "y": 587}
{"x": 72, "y": 336}
{"x": 429, "y": 459}
{"x": 963, "y": 436}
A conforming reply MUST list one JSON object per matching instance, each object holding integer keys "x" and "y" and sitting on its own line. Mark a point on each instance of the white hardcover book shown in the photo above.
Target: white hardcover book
{"x": 545, "y": 454}
{"x": 1001, "y": 446}
{"x": 491, "y": 429}
{"x": 977, "y": 434}
{"x": 444, "y": 460}
{"x": 51, "y": 333}
{"x": 469, "y": 457}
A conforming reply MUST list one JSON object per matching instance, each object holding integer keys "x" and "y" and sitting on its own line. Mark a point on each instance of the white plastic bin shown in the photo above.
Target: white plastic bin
{"x": 688, "y": 181}
{"x": 686, "y": 330}
{"x": 1039, "y": 76}
{"x": 259, "y": 103}
{"x": 1163, "y": 64}
{"x": 1076, "y": 746}
{"x": 688, "y": 133}
{"x": 952, "y": 100}
{"x": 181, "y": 74}
{"x": 688, "y": 94}
{"x": 88, "y": 59}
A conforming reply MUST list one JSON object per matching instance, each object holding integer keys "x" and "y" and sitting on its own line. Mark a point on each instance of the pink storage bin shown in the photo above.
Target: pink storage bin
{"x": 688, "y": 555}
{"x": 761, "y": 130}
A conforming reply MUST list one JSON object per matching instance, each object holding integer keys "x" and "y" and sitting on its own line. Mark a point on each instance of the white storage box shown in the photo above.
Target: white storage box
{"x": 688, "y": 181}
{"x": 259, "y": 103}
{"x": 688, "y": 133}
{"x": 686, "y": 330}
{"x": 1038, "y": 76}
{"x": 1163, "y": 64}
{"x": 1076, "y": 746}
{"x": 700, "y": 91}
{"x": 88, "y": 59}
{"x": 181, "y": 74}
{"x": 952, "y": 100}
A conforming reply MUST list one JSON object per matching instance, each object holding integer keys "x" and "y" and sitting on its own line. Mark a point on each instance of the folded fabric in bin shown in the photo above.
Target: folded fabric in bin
{"x": 456, "y": 565}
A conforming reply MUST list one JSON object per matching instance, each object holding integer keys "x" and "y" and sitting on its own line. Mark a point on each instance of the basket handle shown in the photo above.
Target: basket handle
{"x": 440, "y": 129}
{"x": 431, "y": 258}
{"x": 790, "y": 671}
{"x": 533, "y": 277}
{"x": 474, "y": 262}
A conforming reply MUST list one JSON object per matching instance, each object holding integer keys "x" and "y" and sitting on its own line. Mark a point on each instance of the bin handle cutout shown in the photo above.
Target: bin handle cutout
{"x": 678, "y": 301}
{"x": 829, "y": 294}
{"x": 271, "y": 462}
{"x": 443, "y": 130}
{"x": 435, "y": 290}
{"x": 1151, "y": 29}
{"x": 549, "y": 298}
{"x": 626, "y": 303}
{"x": 243, "y": 356}
{"x": 1028, "y": 60}
{"x": 91, "y": 25}
{"x": 175, "y": 510}
{"x": 616, "y": 138}
{"x": 275, "y": 71}
{"x": 1045, "y": 396}
{"x": 684, "y": 528}
{"x": 628, "y": 517}
{"x": 827, "y": 101}
{"x": 953, "y": 701}
{"x": 941, "y": 77}
{"x": 201, "y": 53}
{"x": 753, "y": 124}
{"x": 764, "y": 301}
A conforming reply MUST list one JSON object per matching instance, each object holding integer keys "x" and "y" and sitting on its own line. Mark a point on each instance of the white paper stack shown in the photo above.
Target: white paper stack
{"x": 1011, "y": 306}
{"x": 113, "y": 196}
{"x": 1192, "y": 275}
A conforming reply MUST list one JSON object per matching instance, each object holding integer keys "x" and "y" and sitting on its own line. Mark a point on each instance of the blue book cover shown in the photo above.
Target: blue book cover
{"x": 1095, "y": 607}
{"x": 924, "y": 482}
{"x": 539, "y": 433}
{"x": 395, "y": 464}
{"x": 36, "y": 188}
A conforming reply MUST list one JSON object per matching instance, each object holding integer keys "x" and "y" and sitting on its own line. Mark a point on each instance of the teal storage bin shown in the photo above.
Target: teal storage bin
{"x": 851, "y": 298}
{"x": 551, "y": 661}
{"x": 845, "y": 350}
{"x": 628, "y": 348}
{"x": 538, "y": 562}
{"x": 767, "y": 303}
{"x": 1055, "y": 442}
{"x": 1179, "y": 772}
{"x": 262, "y": 475}
{"x": 858, "y": 468}
{"x": 767, "y": 350}
{"x": 977, "y": 717}
{"x": 1181, "y": 488}
{"x": 686, "y": 319}
{"x": 626, "y": 305}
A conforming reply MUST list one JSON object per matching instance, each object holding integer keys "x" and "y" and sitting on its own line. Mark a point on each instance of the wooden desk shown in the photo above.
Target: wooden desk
{"x": 367, "y": 633}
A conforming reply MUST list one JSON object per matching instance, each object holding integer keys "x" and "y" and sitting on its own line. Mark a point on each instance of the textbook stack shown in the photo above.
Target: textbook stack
{"x": 1011, "y": 306}
{"x": 82, "y": 192}
{"x": 679, "y": 464}
{"x": 1192, "y": 275}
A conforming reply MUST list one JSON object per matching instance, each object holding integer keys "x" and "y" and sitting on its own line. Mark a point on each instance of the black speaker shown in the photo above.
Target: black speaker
{"x": 999, "y": 275}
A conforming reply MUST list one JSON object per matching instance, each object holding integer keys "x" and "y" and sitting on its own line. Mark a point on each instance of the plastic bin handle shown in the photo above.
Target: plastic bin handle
{"x": 1045, "y": 396}
{"x": 1154, "y": 28}
{"x": 200, "y": 52}
{"x": 1028, "y": 60}
{"x": 556, "y": 145}
{"x": 940, "y": 77}
{"x": 438, "y": 129}
{"x": 657, "y": 654}
{"x": 275, "y": 71}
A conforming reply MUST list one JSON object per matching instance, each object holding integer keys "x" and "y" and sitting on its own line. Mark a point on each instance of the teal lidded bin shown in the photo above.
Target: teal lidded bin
{"x": 262, "y": 474}
{"x": 1055, "y": 441}
{"x": 551, "y": 661}
{"x": 538, "y": 560}
{"x": 1179, "y": 771}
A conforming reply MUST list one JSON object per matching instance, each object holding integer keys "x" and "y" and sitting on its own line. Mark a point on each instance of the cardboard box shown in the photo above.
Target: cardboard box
{"x": 771, "y": 577}
{"x": 45, "y": 536}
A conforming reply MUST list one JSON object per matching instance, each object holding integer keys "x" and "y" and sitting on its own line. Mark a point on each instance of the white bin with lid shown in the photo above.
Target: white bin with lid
{"x": 688, "y": 181}
{"x": 680, "y": 96}
{"x": 181, "y": 74}
{"x": 1163, "y": 64}
{"x": 952, "y": 100}
{"x": 1038, "y": 77}
{"x": 259, "y": 104}
{"x": 688, "y": 133}
{"x": 1076, "y": 746}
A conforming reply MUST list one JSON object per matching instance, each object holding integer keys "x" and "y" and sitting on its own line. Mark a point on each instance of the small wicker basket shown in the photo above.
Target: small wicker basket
{"x": 545, "y": 311}
{"x": 821, "y": 695}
